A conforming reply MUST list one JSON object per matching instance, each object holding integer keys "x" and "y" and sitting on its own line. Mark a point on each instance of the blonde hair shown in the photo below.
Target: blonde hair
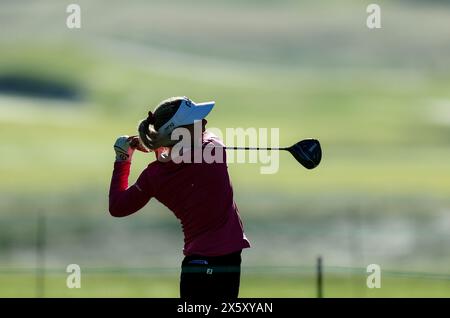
{"x": 148, "y": 127}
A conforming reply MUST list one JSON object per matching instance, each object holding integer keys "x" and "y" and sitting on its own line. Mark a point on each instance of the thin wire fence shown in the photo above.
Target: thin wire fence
{"x": 309, "y": 277}
{"x": 320, "y": 271}
{"x": 306, "y": 270}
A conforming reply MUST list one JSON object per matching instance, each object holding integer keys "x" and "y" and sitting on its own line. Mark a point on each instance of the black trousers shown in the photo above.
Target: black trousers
{"x": 210, "y": 277}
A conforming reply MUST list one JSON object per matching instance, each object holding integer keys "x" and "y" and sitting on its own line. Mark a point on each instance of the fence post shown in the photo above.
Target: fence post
{"x": 40, "y": 255}
{"x": 319, "y": 278}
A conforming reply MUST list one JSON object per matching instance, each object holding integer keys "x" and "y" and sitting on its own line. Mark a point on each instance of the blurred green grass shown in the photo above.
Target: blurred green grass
{"x": 385, "y": 144}
{"x": 252, "y": 286}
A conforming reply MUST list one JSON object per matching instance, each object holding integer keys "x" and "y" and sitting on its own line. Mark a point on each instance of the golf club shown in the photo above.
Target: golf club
{"x": 307, "y": 152}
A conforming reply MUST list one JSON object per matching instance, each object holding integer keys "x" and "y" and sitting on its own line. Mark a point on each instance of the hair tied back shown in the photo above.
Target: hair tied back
{"x": 151, "y": 118}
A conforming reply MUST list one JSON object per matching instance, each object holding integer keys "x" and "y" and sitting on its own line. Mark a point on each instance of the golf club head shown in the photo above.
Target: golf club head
{"x": 307, "y": 152}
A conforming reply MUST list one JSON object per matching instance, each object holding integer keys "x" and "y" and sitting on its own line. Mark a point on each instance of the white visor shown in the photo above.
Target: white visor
{"x": 187, "y": 114}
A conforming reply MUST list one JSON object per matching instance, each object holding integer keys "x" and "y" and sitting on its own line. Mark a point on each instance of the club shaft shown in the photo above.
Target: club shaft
{"x": 255, "y": 148}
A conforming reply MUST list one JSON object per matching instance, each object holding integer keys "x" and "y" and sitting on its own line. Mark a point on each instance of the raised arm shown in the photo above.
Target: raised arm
{"x": 124, "y": 200}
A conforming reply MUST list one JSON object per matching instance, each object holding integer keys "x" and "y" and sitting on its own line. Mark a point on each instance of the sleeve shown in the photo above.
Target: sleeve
{"x": 124, "y": 201}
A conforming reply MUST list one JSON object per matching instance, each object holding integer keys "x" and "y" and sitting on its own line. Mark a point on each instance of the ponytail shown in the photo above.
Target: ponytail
{"x": 148, "y": 127}
{"x": 147, "y": 132}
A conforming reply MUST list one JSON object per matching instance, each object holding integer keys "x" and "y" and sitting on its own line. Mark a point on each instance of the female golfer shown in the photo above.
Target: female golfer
{"x": 198, "y": 192}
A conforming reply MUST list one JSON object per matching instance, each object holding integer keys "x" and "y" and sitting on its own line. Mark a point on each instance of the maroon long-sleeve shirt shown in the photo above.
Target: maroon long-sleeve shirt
{"x": 199, "y": 194}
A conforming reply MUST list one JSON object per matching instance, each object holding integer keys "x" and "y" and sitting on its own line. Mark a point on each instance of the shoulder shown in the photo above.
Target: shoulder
{"x": 148, "y": 178}
{"x": 153, "y": 169}
{"x": 154, "y": 166}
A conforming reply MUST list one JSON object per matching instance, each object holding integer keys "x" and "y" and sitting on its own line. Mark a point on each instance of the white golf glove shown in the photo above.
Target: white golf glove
{"x": 123, "y": 148}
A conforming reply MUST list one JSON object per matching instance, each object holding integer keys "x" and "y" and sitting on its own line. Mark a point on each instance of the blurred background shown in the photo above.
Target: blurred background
{"x": 378, "y": 100}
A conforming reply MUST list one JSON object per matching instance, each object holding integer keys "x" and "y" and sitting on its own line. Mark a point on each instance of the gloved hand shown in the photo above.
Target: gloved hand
{"x": 123, "y": 148}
